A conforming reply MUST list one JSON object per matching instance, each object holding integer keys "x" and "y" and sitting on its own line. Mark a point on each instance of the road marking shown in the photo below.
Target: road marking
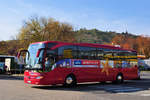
{"x": 139, "y": 81}
{"x": 123, "y": 89}
{"x": 117, "y": 89}
{"x": 128, "y": 90}
{"x": 145, "y": 95}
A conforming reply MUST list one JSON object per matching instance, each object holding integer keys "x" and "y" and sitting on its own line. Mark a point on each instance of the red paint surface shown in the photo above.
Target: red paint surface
{"x": 82, "y": 74}
{"x": 86, "y": 74}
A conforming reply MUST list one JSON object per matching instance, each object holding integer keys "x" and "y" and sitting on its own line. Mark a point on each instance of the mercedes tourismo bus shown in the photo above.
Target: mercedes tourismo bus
{"x": 52, "y": 62}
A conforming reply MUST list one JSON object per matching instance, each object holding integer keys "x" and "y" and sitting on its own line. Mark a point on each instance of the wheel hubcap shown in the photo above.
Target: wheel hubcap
{"x": 69, "y": 80}
{"x": 119, "y": 77}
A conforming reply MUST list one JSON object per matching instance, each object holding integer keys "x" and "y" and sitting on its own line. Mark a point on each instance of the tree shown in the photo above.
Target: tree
{"x": 143, "y": 45}
{"x": 45, "y": 29}
{"x": 9, "y": 47}
{"x": 124, "y": 41}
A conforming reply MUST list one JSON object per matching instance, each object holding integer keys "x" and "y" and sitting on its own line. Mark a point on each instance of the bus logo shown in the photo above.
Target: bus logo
{"x": 77, "y": 62}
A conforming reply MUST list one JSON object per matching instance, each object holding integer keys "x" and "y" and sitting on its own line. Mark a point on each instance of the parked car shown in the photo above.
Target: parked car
{"x": 144, "y": 65}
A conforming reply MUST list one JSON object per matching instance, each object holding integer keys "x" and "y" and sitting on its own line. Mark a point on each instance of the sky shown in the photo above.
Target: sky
{"x": 106, "y": 15}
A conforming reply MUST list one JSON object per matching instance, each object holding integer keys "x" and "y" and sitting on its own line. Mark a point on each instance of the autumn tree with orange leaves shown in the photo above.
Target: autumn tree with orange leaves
{"x": 45, "y": 29}
{"x": 141, "y": 44}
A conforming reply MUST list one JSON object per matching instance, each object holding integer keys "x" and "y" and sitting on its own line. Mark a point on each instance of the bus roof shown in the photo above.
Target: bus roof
{"x": 84, "y": 44}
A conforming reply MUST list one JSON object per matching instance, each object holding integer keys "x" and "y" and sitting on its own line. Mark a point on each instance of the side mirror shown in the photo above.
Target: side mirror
{"x": 39, "y": 51}
{"x": 23, "y": 51}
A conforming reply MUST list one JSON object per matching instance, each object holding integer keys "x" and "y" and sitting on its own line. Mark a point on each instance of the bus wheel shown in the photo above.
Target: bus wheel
{"x": 138, "y": 78}
{"x": 1, "y": 71}
{"x": 70, "y": 81}
{"x": 119, "y": 79}
{"x": 103, "y": 82}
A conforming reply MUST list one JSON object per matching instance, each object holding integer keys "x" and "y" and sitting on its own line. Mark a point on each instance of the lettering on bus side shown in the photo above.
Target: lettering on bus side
{"x": 85, "y": 63}
{"x": 77, "y": 62}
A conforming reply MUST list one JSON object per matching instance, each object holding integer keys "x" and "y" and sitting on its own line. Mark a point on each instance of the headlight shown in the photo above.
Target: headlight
{"x": 39, "y": 66}
{"x": 39, "y": 77}
{"x": 28, "y": 66}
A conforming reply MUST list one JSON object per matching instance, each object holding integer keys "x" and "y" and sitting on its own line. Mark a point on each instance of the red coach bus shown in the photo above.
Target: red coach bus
{"x": 52, "y": 62}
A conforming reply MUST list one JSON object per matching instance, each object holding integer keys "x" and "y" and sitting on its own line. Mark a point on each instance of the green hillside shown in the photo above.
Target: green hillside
{"x": 97, "y": 36}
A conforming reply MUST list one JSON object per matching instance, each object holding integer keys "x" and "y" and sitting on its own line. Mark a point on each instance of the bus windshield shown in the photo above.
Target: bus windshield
{"x": 32, "y": 61}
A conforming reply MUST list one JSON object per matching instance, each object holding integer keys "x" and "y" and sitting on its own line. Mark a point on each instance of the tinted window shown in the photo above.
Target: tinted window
{"x": 51, "y": 52}
{"x": 100, "y": 53}
{"x": 132, "y": 53}
{"x": 67, "y": 52}
{"x": 83, "y": 52}
{"x": 2, "y": 59}
{"x": 92, "y": 53}
{"x": 49, "y": 45}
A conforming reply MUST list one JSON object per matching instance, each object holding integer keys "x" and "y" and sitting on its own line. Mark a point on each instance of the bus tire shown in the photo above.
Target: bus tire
{"x": 119, "y": 79}
{"x": 138, "y": 78}
{"x": 1, "y": 71}
{"x": 70, "y": 81}
{"x": 103, "y": 82}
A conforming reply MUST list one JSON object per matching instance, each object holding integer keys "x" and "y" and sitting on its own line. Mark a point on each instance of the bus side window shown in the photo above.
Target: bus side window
{"x": 92, "y": 53}
{"x": 75, "y": 52}
{"x": 115, "y": 55}
{"x": 83, "y": 52}
{"x": 108, "y": 55}
{"x": 100, "y": 54}
{"x": 67, "y": 52}
{"x": 132, "y": 59}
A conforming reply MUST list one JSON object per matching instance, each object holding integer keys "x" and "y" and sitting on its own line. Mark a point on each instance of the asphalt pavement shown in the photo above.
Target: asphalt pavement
{"x": 13, "y": 88}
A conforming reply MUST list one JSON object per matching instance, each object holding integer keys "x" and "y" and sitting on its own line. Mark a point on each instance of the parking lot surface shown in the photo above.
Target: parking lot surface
{"x": 13, "y": 88}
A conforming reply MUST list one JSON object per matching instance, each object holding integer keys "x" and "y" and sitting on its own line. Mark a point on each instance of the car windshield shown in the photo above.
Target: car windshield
{"x": 33, "y": 60}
